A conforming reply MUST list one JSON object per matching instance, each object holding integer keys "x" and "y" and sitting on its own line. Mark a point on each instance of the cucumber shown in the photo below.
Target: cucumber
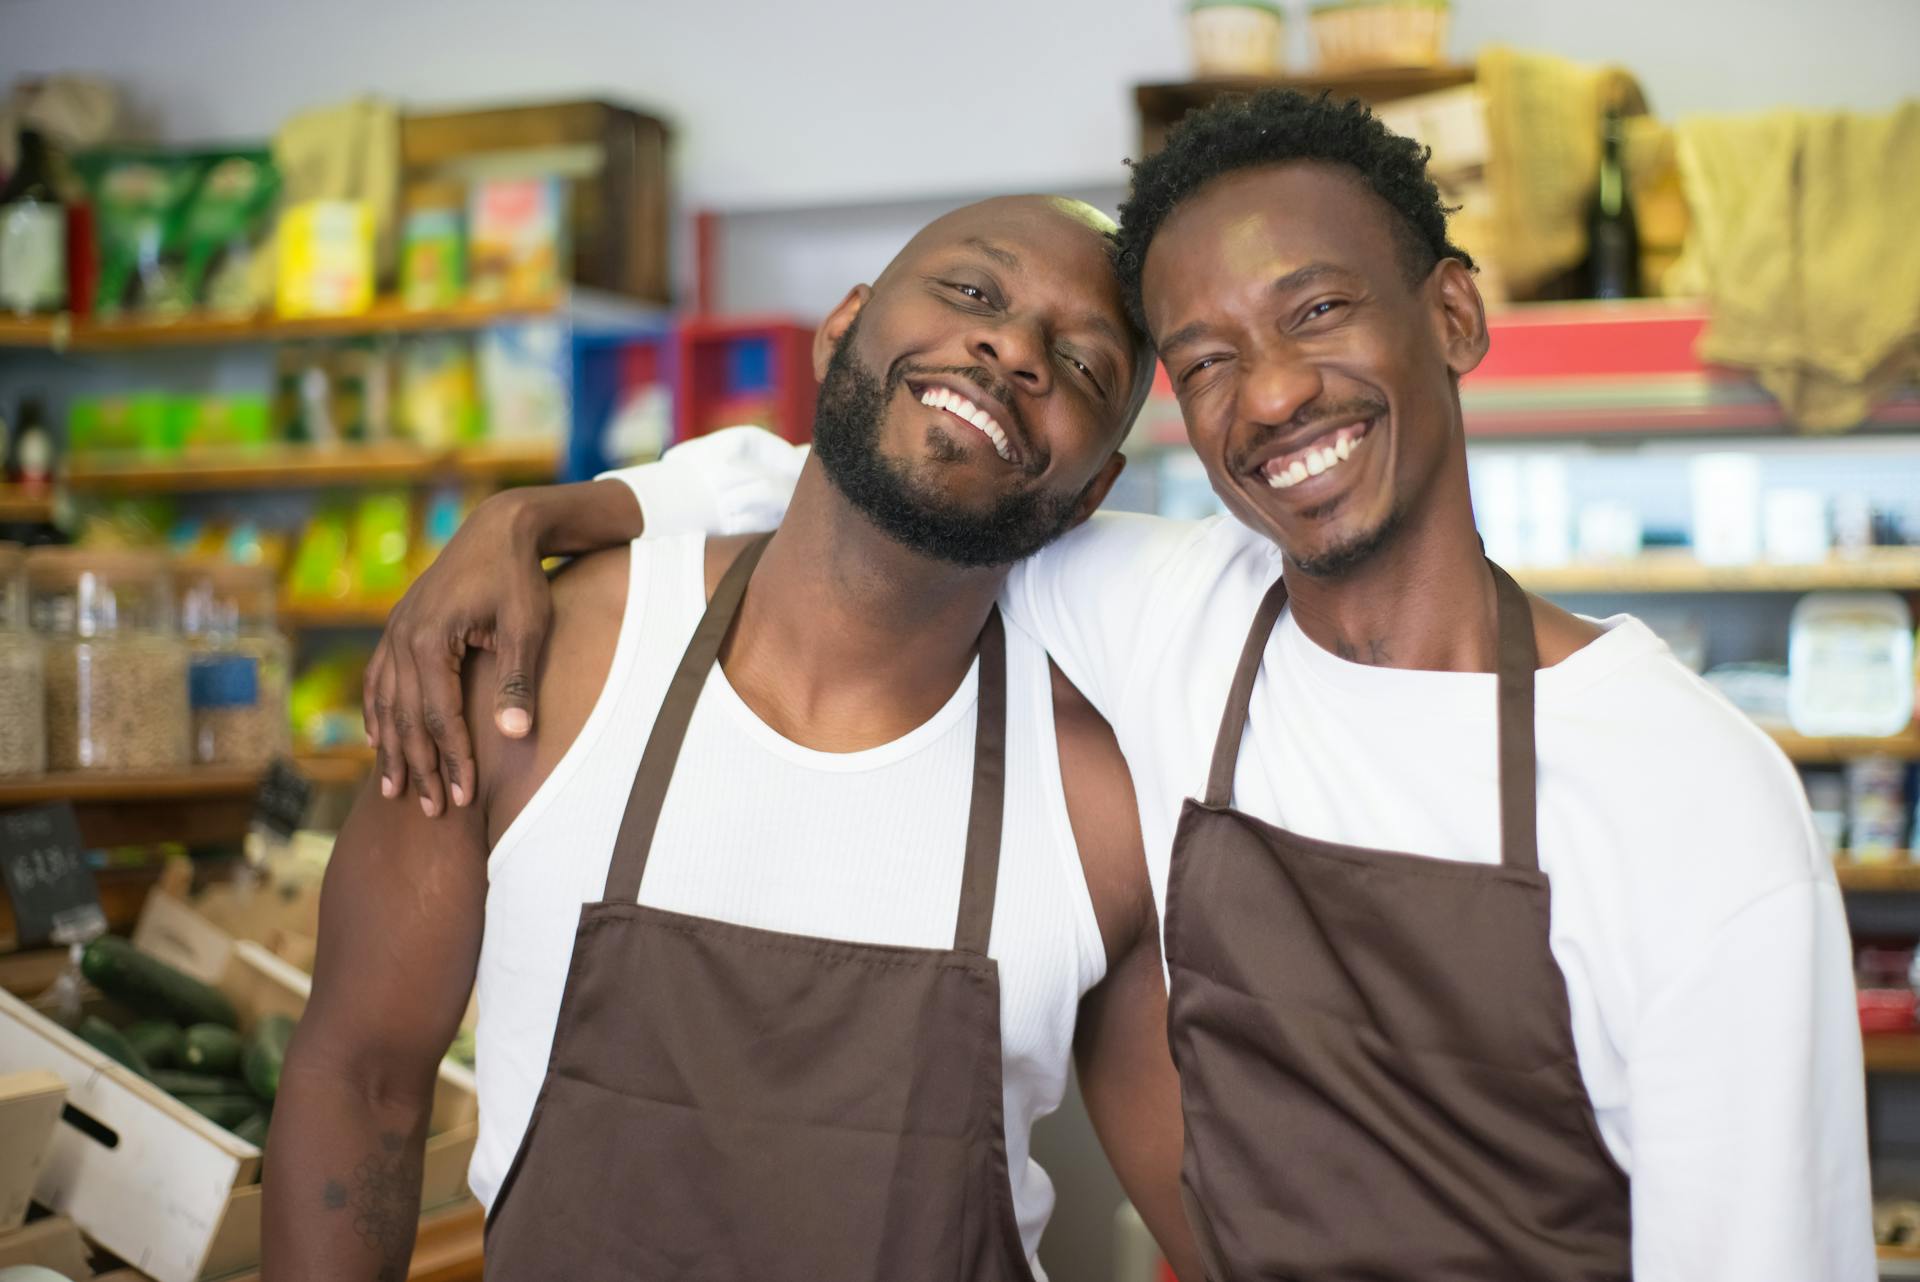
{"x": 223, "y": 1110}
{"x": 159, "y": 1041}
{"x": 254, "y": 1129}
{"x": 266, "y": 1052}
{"x": 152, "y": 987}
{"x": 107, "y": 1039}
{"x": 182, "y": 1085}
{"x": 211, "y": 1048}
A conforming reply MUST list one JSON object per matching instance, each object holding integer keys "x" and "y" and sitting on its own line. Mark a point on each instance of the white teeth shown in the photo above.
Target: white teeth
{"x": 1297, "y": 473}
{"x": 941, "y": 398}
{"x": 1344, "y": 448}
{"x": 1316, "y": 463}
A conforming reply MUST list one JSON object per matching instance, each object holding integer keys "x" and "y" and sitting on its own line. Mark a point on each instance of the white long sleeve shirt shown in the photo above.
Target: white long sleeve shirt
{"x": 1694, "y": 913}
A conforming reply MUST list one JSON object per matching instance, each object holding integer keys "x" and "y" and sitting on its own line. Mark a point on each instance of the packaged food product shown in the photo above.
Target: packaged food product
{"x": 116, "y": 669}
{"x": 1235, "y": 37}
{"x": 524, "y": 382}
{"x": 1876, "y": 809}
{"x": 224, "y": 219}
{"x": 516, "y": 246}
{"x": 238, "y": 663}
{"x": 23, "y": 720}
{"x": 433, "y": 251}
{"x": 139, "y": 199}
{"x": 1850, "y": 664}
{"x": 326, "y": 259}
{"x": 382, "y": 529}
{"x": 438, "y": 403}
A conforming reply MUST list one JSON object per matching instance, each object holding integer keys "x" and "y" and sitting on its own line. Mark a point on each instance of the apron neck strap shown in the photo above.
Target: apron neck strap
{"x": 1517, "y": 659}
{"x": 985, "y": 815}
{"x": 1233, "y": 722}
{"x": 981, "y": 876}
{"x": 635, "y": 839}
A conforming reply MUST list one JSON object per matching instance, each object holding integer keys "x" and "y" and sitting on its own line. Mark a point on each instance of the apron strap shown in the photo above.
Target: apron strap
{"x": 985, "y": 816}
{"x": 1519, "y": 657}
{"x": 635, "y": 839}
{"x": 1233, "y": 722}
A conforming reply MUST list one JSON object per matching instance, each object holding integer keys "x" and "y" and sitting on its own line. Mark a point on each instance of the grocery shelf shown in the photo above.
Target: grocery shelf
{"x": 1896, "y": 569}
{"x": 336, "y": 766}
{"x": 308, "y": 466}
{"x": 1900, "y": 874}
{"x": 1892, "y": 1052}
{"x": 1161, "y": 105}
{"x": 387, "y": 316}
{"x": 314, "y": 615}
{"x": 1808, "y": 751}
{"x": 198, "y": 783}
{"x": 17, "y": 504}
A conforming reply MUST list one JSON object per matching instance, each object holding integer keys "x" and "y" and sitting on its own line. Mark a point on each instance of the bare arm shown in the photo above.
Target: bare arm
{"x": 401, "y": 913}
{"x": 1120, "y": 1045}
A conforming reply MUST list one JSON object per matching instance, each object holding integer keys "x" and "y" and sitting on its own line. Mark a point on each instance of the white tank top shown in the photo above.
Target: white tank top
{"x": 759, "y": 831}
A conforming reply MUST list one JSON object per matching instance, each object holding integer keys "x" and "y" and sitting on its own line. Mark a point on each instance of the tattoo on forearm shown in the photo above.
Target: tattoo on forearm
{"x": 383, "y": 1195}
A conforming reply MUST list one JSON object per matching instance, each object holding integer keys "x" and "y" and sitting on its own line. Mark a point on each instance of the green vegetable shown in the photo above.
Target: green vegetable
{"x": 104, "y": 1037}
{"x": 223, "y": 1110}
{"x": 254, "y": 1129}
{"x": 182, "y": 1085}
{"x": 152, "y": 987}
{"x": 159, "y": 1041}
{"x": 266, "y": 1052}
{"x": 212, "y": 1048}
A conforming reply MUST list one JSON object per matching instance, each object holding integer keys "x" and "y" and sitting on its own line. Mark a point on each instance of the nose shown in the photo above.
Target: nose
{"x": 1277, "y": 386}
{"x": 1016, "y": 350}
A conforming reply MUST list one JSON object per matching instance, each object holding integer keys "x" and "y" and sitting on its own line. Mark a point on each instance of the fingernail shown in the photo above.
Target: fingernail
{"x": 515, "y": 721}
{"x": 386, "y": 788}
{"x": 459, "y": 795}
{"x": 426, "y": 805}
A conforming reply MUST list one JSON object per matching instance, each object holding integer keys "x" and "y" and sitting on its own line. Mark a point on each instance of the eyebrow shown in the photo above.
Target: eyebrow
{"x": 999, "y": 254}
{"x": 1311, "y": 274}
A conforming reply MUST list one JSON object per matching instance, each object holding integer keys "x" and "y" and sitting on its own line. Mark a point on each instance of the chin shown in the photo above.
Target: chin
{"x": 1333, "y": 553}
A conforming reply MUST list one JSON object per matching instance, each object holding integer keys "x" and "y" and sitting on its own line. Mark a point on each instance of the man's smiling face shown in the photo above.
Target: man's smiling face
{"x": 1314, "y": 368}
{"x": 972, "y": 402}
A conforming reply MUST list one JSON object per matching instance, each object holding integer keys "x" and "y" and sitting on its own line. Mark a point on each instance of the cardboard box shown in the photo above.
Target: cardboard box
{"x": 30, "y": 1104}
{"x": 156, "y": 1183}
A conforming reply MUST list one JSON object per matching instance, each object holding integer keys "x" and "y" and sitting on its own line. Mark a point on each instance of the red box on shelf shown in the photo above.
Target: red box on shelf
{"x": 1886, "y": 1010}
{"x": 737, "y": 370}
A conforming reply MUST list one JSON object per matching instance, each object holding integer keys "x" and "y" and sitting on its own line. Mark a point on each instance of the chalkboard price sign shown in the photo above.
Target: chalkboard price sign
{"x": 281, "y": 804}
{"x": 44, "y": 865}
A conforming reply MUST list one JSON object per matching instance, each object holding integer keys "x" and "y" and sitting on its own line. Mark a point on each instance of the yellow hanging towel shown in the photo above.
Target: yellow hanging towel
{"x": 1806, "y": 244}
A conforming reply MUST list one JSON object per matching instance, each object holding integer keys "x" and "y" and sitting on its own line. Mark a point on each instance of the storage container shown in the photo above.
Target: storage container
{"x": 237, "y": 664}
{"x": 23, "y": 717}
{"x": 116, "y": 668}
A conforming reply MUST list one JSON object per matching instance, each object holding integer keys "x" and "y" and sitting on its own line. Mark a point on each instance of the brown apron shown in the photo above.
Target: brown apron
{"x": 1376, "y": 1057}
{"x": 729, "y": 1104}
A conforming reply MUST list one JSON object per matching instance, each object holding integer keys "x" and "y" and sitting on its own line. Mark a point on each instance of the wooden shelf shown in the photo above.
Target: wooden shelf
{"x": 200, "y": 783}
{"x": 343, "y": 767}
{"x": 1895, "y": 569}
{"x": 1892, "y": 1052}
{"x": 314, "y": 615}
{"x": 1806, "y": 751}
{"x": 307, "y": 467}
{"x": 388, "y": 316}
{"x": 18, "y": 505}
{"x": 1900, "y": 876}
{"x": 1162, "y": 105}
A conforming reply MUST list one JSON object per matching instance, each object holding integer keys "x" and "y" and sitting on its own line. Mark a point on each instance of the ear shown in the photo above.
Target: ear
{"x": 1097, "y": 489}
{"x": 838, "y": 321}
{"x": 1462, "y": 315}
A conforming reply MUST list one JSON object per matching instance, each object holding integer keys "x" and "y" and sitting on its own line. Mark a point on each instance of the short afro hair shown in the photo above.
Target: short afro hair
{"x": 1273, "y": 127}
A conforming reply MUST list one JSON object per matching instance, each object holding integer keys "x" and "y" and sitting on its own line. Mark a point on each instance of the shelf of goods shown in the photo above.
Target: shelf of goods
{"x": 285, "y": 467}
{"x": 1881, "y": 569}
{"x": 66, "y": 333}
{"x": 25, "y": 506}
{"x": 1804, "y": 750}
{"x": 1898, "y": 872}
{"x": 1161, "y": 105}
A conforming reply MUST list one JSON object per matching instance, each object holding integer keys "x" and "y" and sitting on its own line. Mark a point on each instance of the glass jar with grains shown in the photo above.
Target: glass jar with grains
{"x": 237, "y": 663}
{"x": 23, "y": 712}
{"x": 116, "y": 667}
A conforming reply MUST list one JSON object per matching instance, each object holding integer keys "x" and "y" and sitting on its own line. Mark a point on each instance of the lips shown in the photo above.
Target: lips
{"x": 968, "y": 410}
{"x": 1327, "y": 451}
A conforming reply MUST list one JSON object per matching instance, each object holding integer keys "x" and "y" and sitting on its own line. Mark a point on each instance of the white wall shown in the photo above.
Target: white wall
{"x": 783, "y": 102}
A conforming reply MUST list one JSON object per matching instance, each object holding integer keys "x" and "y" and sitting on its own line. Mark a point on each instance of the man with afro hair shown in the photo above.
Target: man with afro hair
{"x": 1499, "y": 945}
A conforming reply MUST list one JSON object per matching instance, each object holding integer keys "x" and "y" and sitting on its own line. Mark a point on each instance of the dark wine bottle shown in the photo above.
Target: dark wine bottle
{"x": 1613, "y": 237}
{"x": 33, "y": 232}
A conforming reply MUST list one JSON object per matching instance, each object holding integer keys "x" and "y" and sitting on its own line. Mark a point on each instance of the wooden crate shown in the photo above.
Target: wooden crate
{"x": 30, "y": 1104}
{"x": 156, "y": 1183}
{"x": 615, "y": 158}
{"x": 52, "y": 1243}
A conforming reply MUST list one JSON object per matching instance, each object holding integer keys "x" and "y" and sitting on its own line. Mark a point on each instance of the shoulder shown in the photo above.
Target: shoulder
{"x": 1104, "y": 816}
{"x": 721, "y": 553}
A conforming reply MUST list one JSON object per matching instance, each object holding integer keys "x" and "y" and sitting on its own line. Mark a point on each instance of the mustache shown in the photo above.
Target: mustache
{"x": 983, "y": 378}
{"x": 1308, "y": 419}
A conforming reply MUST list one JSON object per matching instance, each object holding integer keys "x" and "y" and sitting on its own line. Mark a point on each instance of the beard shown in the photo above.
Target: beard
{"x": 1344, "y": 557}
{"x": 907, "y": 502}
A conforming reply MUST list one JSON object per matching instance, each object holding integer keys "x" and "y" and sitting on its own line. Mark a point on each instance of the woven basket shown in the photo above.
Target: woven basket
{"x": 1365, "y": 35}
{"x": 1234, "y": 39}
